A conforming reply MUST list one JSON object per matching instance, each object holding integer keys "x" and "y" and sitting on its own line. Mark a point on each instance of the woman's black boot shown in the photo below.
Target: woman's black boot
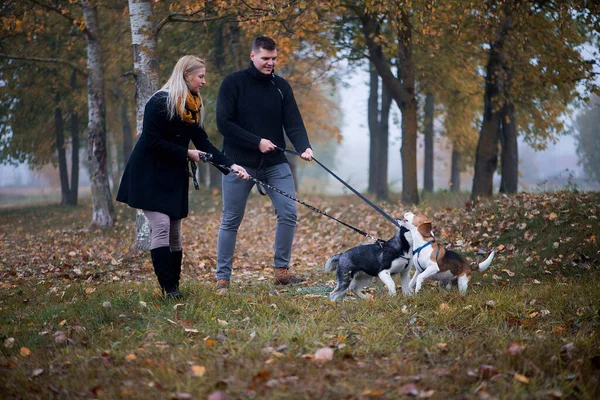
{"x": 161, "y": 259}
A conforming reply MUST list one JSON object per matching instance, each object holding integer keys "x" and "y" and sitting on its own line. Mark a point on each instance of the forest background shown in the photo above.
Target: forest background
{"x": 460, "y": 86}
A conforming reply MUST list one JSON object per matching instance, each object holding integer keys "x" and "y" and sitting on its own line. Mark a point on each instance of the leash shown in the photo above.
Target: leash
{"x": 369, "y": 202}
{"x": 208, "y": 158}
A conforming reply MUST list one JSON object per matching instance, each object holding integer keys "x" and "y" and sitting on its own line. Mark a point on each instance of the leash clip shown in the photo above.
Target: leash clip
{"x": 206, "y": 157}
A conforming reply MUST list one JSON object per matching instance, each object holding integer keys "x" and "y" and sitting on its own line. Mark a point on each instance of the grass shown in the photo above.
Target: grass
{"x": 533, "y": 335}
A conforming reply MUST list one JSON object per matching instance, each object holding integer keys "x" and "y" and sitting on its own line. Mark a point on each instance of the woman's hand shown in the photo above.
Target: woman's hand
{"x": 240, "y": 172}
{"x": 194, "y": 155}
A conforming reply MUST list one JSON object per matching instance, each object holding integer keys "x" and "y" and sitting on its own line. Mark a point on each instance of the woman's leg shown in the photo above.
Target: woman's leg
{"x": 160, "y": 251}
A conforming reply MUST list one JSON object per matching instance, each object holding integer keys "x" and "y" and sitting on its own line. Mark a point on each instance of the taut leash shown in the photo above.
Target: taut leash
{"x": 208, "y": 158}
{"x": 369, "y": 202}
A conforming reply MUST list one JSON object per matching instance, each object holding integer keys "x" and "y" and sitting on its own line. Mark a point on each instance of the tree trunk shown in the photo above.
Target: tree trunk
{"x": 403, "y": 92}
{"x": 127, "y": 134}
{"x": 486, "y": 158}
{"x": 410, "y": 190}
{"x": 428, "y": 131}
{"x": 378, "y": 118}
{"x": 382, "y": 145}
{"x": 455, "y": 171}
{"x": 145, "y": 66}
{"x": 74, "y": 190}
{"x": 59, "y": 132}
{"x": 103, "y": 211}
{"x": 373, "y": 121}
{"x": 510, "y": 151}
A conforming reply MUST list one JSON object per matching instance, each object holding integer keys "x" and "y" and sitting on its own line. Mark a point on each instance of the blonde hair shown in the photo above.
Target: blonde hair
{"x": 177, "y": 86}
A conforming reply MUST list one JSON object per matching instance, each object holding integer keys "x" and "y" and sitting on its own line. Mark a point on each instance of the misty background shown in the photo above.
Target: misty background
{"x": 554, "y": 168}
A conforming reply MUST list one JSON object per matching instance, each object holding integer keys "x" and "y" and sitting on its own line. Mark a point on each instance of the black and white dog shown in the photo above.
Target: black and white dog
{"x": 357, "y": 268}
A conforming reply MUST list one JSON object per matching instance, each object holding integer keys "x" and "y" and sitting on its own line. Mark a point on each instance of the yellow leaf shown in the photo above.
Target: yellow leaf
{"x": 62, "y": 323}
{"x": 552, "y": 216}
{"x": 521, "y": 378}
{"x": 198, "y": 370}
{"x": 25, "y": 352}
{"x": 209, "y": 343}
{"x": 130, "y": 357}
{"x": 90, "y": 290}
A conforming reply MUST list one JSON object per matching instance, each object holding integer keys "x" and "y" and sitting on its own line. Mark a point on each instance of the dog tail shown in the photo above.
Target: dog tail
{"x": 332, "y": 264}
{"x": 486, "y": 264}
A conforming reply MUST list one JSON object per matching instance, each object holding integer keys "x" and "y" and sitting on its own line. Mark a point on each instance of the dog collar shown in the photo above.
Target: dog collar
{"x": 421, "y": 248}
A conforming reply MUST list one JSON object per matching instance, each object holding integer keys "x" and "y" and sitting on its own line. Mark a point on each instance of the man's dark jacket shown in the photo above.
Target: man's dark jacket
{"x": 252, "y": 106}
{"x": 156, "y": 176}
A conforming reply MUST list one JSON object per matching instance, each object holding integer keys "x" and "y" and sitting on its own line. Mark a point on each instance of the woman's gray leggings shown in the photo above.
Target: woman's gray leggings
{"x": 165, "y": 231}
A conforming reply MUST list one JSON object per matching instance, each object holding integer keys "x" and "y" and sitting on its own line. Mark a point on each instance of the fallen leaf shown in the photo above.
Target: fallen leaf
{"x": 445, "y": 307}
{"x": 62, "y": 323}
{"x": 219, "y": 395}
{"x": 487, "y": 371}
{"x": 130, "y": 357}
{"x": 25, "y": 352}
{"x": 369, "y": 392}
{"x": 9, "y": 342}
{"x": 508, "y": 272}
{"x": 222, "y": 322}
{"x": 90, "y": 290}
{"x": 410, "y": 389}
{"x": 60, "y": 337}
{"x": 521, "y": 378}
{"x": 198, "y": 370}
{"x": 515, "y": 348}
{"x": 324, "y": 355}
{"x": 37, "y": 372}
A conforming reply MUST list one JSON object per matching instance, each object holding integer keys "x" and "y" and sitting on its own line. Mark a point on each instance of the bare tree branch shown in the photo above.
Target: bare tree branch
{"x": 45, "y": 60}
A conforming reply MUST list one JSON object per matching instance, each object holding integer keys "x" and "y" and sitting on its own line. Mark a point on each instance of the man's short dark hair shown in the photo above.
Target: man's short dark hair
{"x": 263, "y": 42}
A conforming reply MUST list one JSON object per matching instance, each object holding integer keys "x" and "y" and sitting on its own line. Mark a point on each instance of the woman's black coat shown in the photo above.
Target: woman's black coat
{"x": 156, "y": 176}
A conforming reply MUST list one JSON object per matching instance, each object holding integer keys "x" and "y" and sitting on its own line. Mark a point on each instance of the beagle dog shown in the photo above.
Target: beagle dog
{"x": 432, "y": 261}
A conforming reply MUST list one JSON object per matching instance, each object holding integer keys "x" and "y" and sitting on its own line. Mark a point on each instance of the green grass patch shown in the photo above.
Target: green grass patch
{"x": 82, "y": 318}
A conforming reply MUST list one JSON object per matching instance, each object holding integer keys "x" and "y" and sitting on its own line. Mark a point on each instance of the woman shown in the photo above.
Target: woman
{"x": 156, "y": 177}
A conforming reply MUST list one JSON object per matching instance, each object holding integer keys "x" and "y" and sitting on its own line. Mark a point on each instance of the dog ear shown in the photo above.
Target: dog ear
{"x": 425, "y": 229}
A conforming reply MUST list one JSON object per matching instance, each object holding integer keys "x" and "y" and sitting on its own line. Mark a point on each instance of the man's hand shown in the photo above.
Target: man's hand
{"x": 307, "y": 155}
{"x": 240, "y": 172}
{"x": 194, "y": 155}
{"x": 266, "y": 146}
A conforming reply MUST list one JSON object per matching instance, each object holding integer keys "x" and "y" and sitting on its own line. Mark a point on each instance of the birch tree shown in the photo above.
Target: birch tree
{"x": 103, "y": 209}
{"x": 145, "y": 65}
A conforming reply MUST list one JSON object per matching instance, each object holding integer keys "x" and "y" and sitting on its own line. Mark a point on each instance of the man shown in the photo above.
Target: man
{"x": 254, "y": 109}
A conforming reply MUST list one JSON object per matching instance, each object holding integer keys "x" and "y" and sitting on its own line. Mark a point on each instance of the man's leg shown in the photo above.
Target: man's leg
{"x": 280, "y": 176}
{"x": 235, "y": 194}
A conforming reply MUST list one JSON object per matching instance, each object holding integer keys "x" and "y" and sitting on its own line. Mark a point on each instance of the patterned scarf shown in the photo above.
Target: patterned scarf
{"x": 191, "y": 112}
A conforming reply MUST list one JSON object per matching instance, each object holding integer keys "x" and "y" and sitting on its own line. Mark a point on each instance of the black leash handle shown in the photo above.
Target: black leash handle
{"x": 208, "y": 158}
{"x": 369, "y": 202}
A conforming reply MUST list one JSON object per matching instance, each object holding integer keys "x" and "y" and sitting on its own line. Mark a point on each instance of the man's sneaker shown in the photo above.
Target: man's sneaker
{"x": 284, "y": 277}
{"x": 222, "y": 287}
